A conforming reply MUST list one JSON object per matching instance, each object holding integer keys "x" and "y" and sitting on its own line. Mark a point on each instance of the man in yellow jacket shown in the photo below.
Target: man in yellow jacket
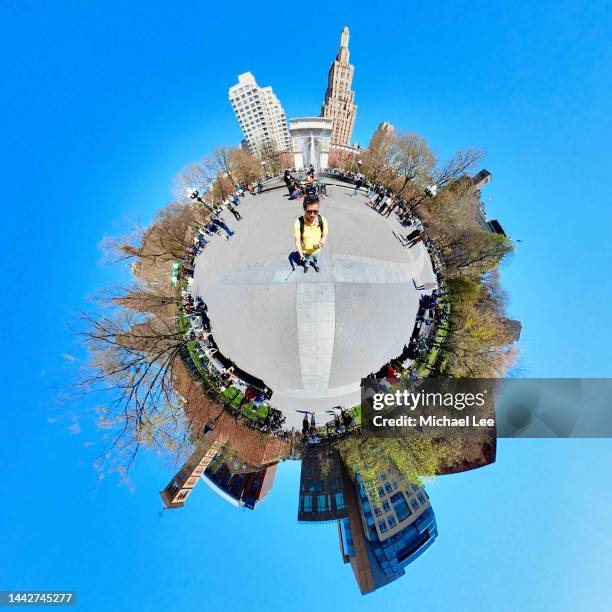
{"x": 310, "y": 233}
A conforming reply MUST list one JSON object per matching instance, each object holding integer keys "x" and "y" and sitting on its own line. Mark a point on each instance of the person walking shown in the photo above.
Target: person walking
{"x": 288, "y": 178}
{"x": 213, "y": 228}
{"x": 358, "y": 185}
{"x": 217, "y": 220}
{"x": 379, "y": 199}
{"x": 313, "y": 424}
{"x": 386, "y": 201}
{"x": 234, "y": 212}
{"x": 390, "y": 208}
{"x": 415, "y": 233}
{"x": 422, "y": 236}
{"x": 310, "y": 233}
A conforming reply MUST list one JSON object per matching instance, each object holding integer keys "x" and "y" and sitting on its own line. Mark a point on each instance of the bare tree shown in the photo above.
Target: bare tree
{"x": 222, "y": 159}
{"x": 413, "y": 161}
{"x": 166, "y": 239}
{"x": 272, "y": 157}
{"x": 143, "y": 297}
{"x": 195, "y": 177}
{"x": 378, "y": 157}
{"x": 132, "y": 357}
{"x": 459, "y": 164}
{"x": 245, "y": 167}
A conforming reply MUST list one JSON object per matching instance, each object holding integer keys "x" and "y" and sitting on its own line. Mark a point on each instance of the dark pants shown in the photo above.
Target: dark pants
{"x": 236, "y": 214}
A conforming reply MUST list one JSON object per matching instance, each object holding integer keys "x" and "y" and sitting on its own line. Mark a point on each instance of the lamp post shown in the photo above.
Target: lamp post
{"x": 430, "y": 192}
{"x": 195, "y": 195}
{"x": 263, "y": 167}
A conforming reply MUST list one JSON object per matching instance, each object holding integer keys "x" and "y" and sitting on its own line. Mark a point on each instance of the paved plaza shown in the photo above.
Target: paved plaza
{"x": 311, "y": 337}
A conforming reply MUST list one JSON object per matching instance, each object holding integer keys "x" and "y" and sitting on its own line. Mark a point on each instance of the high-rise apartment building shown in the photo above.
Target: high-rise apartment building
{"x": 339, "y": 98}
{"x": 385, "y": 132}
{"x": 260, "y": 115}
{"x": 380, "y": 537}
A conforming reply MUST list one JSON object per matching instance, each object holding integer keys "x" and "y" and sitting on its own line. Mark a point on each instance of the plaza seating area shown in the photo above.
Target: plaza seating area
{"x": 419, "y": 355}
{"x": 243, "y": 394}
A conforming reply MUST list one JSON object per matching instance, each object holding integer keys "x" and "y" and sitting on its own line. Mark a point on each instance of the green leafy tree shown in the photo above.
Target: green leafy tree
{"x": 414, "y": 456}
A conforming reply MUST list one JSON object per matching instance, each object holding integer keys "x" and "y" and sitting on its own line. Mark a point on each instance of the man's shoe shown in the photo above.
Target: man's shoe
{"x": 305, "y": 269}
{"x": 316, "y": 268}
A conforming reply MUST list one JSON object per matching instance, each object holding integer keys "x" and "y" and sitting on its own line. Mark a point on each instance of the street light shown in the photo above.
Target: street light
{"x": 195, "y": 195}
{"x": 263, "y": 167}
{"x": 430, "y": 192}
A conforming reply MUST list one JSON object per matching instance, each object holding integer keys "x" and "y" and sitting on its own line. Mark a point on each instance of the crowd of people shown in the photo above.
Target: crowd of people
{"x": 220, "y": 371}
{"x": 299, "y": 187}
{"x": 431, "y": 314}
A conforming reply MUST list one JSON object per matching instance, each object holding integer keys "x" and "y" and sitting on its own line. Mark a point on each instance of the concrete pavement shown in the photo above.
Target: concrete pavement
{"x": 311, "y": 337}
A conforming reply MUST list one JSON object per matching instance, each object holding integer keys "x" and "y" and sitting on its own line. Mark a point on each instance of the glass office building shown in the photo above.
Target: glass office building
{"x": 381, "y": 537}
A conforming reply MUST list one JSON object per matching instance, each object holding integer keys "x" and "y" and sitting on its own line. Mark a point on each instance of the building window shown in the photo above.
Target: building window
{"x": 392, "y": 521}
{"x": 400, "y": 506}
{"x": 307, "y": 503}
{"x": 340, "y": 501}
{"x": 377, "y": 511}
{"x": 382, "y": 526}
{"x": 386, "y": 506}
{"x": 388, "y": 487}
{"x": 322, "y": 505}
{"x": 415, "y": 504}
{"x": 381, "y": 492}
{"x": 421, "y": 498}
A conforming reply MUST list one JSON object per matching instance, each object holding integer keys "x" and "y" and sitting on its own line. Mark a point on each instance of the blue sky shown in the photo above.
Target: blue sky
{"x": 101, "y": 105}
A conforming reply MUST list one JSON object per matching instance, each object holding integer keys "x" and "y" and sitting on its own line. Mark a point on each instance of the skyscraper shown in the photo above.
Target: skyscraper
{"x": 260, "y": 115}
{"x": 339, "y": 98}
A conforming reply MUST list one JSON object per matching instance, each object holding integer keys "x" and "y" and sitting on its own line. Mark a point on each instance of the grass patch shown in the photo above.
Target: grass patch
{"x": 425, "y": 368}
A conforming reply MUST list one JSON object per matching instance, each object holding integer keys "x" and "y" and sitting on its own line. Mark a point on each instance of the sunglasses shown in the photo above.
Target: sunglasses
{"x": 312, "y": 212}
